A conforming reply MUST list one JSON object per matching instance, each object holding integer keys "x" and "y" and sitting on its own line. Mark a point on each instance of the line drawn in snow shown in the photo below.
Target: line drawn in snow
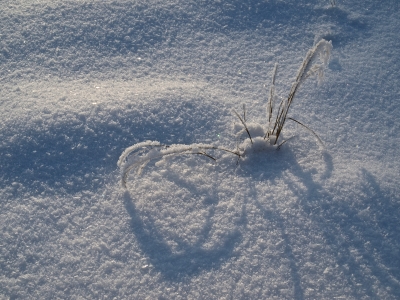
{"x": 260, "y": 138}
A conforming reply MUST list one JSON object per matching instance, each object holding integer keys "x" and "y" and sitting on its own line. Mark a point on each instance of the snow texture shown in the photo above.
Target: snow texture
{"x": 83, "y": 80}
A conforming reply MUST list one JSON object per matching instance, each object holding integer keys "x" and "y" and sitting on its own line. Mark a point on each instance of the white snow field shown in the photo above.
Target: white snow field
{"x": 80, "y": 81}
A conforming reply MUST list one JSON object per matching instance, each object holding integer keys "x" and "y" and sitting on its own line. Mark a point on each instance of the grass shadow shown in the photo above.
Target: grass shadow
{"x": 191, "y": 259}
{"x": 360, "y": 228}
{"x": 268, "y": 168}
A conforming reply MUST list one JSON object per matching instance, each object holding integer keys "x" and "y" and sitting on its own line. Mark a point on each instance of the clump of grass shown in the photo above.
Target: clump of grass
{"x": 314, "y": 63}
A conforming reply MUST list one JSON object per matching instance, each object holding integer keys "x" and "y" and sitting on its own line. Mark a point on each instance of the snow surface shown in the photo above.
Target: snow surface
{"x": 81, "y": 81}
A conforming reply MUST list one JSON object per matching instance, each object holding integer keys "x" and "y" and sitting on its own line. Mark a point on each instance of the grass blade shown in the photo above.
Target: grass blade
{"x": 244, "y": 124}
{"x": 312, "y": 131}
{"x": 270, "y": 105}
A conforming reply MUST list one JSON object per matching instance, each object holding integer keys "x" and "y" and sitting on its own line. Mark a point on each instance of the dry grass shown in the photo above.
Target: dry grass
{"x": 314, "y": 63}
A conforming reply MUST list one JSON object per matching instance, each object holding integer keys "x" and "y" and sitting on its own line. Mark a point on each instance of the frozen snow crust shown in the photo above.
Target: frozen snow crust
{"x": 81, "y": 81}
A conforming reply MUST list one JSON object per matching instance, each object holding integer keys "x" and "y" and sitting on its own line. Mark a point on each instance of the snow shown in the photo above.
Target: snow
{"x": 81, "y": 81}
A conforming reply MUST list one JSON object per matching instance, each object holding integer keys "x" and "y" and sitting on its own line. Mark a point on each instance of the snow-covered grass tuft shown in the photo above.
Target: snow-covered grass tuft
{"x": 256, "y": 137}
{"x": 314, "y": 63}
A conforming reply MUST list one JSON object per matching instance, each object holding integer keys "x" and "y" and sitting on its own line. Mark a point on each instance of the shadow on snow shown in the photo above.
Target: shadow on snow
{"x": 114, "y": 29}
{"x": 361, "y": 232}
{"x": 74, "y": 154}
{"x": 191, "y": 260}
